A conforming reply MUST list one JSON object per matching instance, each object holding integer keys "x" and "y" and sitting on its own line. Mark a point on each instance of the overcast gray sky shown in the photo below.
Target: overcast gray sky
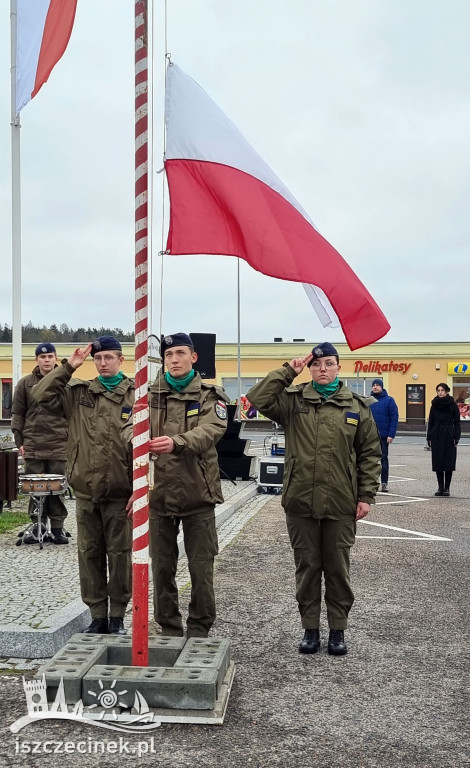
{"x": 362, "y": 109}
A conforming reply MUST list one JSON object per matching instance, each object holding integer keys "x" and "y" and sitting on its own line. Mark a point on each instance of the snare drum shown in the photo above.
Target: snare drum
{"x": 38, "y": 485}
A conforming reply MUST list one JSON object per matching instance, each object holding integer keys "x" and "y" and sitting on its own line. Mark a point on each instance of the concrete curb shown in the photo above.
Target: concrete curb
{"x": 26, "y": 643}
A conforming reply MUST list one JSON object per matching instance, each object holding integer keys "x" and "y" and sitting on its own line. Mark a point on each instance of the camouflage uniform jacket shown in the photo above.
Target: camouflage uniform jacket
{"x": 332, "y": 445}
{"x": 188, "y": 479}
{"x": 42, "y": 436}
{"x": 96, "y": 457}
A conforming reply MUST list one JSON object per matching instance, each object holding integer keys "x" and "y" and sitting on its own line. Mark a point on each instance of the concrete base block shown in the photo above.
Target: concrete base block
{"x": 202, "y": 716}
{"x": 95, "y": 671}
{"x": 160, "y": 687}
{"x": 206, "y": 653}
{"x": 70, "y": 665}
{"x": 163, "y": 650}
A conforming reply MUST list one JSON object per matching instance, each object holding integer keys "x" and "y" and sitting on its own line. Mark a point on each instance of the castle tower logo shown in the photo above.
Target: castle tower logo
{"x": 105, "y": 713}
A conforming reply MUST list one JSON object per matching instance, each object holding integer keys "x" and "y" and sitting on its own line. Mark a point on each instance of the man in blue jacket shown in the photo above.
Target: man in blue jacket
{"x": 385, "y": 413}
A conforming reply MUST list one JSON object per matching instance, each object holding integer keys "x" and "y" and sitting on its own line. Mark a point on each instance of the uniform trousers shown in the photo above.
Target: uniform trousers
{"x": 200, "y": 543}
{"x": 54, "y": 506}
{"x": 322, "y": 546}
{"x": 104, "y": 540}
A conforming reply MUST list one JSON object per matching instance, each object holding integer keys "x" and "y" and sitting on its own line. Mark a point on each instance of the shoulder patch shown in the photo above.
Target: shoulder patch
{"x": 221, "y": 410}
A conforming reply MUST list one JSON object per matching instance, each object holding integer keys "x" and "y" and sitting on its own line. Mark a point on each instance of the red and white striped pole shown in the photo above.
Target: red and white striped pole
{"x": 140, "y": 547}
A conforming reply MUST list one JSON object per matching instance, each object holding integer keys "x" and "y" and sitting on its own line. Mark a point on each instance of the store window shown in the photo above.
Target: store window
{"x": 461, "y": 394}
{"x": 231, "y": 386}
{"x": 7, "y": 398}
{"x": 358, "y": 385}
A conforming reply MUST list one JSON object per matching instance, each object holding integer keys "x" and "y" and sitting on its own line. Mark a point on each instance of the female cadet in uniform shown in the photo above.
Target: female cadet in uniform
{"x": 331, "y": 477}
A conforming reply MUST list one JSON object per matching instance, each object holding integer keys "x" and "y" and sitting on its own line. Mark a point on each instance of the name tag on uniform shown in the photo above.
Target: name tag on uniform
{"x": 352, "y": 418}
{"x": 125, "y": 412}
{"x": 193, "y": 409}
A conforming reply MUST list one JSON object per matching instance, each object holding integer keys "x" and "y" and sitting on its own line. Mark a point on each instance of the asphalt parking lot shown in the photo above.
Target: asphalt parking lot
{"x": 399, "y": 698}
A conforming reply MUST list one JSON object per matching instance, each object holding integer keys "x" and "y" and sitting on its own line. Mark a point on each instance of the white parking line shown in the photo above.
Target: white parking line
{"x": 414, "y": 535}
{"x": 403, "y": 499}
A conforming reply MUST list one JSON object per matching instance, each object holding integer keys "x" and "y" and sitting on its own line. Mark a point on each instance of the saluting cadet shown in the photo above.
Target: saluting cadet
{"x": 41, "y": 441}
{"x": 97, "y": 469}
{"x": 187, "y": 418}
{"x": 331, "y": 477}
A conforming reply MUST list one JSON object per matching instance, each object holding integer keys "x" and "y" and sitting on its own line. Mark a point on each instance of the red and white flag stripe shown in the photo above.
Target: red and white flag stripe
{"x": 43, "y": 29}
{"x": 225, "y": 200}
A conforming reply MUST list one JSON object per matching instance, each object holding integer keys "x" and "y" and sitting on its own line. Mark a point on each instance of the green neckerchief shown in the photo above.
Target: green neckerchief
{"x": 326, "y": 390}
{"x": 111, "y": 382}
{"x": 180, "y": 384}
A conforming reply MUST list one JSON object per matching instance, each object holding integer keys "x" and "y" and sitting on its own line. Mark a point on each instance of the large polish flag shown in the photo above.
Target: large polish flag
{"x": 43, "y": 29}
{"x": 225, "y": 200}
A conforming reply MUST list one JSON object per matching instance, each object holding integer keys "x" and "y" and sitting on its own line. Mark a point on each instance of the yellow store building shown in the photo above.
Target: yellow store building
{"x": 410, "y": 371}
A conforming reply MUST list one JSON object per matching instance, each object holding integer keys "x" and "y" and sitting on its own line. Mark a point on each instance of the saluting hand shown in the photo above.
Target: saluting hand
{"x": 163, "y": 444}
{"x": 78, "y": 357}
{"x": 299, "y": 363}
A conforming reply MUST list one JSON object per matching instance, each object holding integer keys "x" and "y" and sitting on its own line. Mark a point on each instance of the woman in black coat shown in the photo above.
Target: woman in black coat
{"x": 443, "y": 436}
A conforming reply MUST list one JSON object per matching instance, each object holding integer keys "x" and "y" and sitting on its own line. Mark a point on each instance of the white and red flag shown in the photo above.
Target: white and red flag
{"x": 43, "y": 29}
{"x": 225, "y": 200}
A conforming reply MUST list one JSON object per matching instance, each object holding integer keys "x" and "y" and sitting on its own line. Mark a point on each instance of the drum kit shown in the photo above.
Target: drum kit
{"x": 39, "y": 487}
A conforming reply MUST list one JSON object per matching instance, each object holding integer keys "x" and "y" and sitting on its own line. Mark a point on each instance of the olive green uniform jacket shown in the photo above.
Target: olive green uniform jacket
{"x": 42, "y": 436}
{"x": 97, "y": 466}
{"x": 187, "y": 480}
{"x": 332, "y": 446}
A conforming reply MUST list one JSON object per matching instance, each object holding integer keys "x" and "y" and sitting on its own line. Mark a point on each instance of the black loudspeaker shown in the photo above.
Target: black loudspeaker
{"x": 233, "y": 429}
{"x": 231, "y": 411}
{"x": 204, "y": 345}
{"x": 233, "y": 447}
{"x": 237, "y": 467}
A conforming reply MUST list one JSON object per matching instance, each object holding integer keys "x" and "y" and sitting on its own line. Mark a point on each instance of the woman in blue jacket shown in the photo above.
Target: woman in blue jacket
{"x": 385, "y": 413}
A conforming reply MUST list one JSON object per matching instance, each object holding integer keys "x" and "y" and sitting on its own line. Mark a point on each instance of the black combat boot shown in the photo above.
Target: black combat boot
{"x": 440, "y": 492}
{"x": 336, "y": 644}
{"x": 97, "y": 627}
{"x": 310, "y": 642}
{"x": 59, "y": 536}
{"x": 116, "y": 626}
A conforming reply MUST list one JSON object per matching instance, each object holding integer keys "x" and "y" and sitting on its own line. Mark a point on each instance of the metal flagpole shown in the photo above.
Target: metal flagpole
{"x": 15, "y": 209}
{"x": 140, "y": 549}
